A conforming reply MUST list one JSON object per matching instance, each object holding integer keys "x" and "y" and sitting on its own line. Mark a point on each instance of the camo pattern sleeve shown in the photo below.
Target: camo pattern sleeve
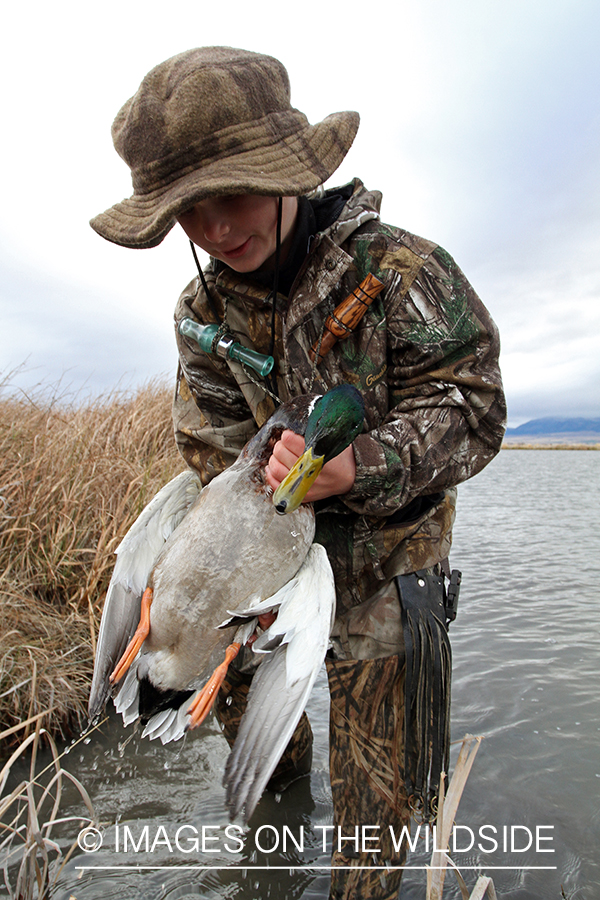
{"x": 447, "y": 410}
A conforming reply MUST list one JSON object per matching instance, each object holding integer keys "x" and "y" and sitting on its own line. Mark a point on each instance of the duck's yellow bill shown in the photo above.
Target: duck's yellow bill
{"x": 297, "y": 483}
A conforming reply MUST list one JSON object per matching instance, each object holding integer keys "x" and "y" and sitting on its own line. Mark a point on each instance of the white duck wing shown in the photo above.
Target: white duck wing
{"x": 136, "y": 555}
{"x": 283, "y": 682}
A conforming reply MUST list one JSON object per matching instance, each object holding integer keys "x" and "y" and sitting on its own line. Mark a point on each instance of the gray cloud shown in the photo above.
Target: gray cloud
{"x": 56, "y": 332}
{"x": 480, "y": 123}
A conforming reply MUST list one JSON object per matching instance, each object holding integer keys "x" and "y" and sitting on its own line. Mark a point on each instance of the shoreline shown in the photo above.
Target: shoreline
{"x": 530, "y": 445}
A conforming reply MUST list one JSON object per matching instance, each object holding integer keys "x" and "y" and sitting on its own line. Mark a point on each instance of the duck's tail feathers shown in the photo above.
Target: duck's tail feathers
{"x": 167, "y": 724}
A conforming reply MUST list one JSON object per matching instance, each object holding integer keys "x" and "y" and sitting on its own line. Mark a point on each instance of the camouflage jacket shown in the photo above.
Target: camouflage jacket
{"x": 425, "y": 357}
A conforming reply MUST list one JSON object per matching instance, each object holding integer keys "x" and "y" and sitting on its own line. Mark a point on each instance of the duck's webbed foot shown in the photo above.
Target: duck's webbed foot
{"x": 141, "y": 633}
{"x": 203, "y": 703}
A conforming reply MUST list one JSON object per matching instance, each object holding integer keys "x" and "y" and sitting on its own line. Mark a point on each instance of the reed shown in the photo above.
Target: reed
{"x": 31, "y": 858}
{"x": 74, "y": 475}
{"x": 447, "y": 809}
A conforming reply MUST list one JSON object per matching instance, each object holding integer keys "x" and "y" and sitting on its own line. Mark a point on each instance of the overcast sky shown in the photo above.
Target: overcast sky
{"x": 480, "y": 122}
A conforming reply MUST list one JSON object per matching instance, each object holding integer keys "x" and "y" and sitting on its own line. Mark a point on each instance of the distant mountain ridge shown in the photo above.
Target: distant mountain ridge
{"x": 553, "y": 425}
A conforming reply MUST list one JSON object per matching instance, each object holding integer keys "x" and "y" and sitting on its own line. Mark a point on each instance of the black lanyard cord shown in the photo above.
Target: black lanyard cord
{"x": 271, "y": 379}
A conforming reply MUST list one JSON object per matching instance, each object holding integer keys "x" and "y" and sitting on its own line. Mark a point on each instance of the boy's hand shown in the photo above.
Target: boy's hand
{"x": 337, "y": 476}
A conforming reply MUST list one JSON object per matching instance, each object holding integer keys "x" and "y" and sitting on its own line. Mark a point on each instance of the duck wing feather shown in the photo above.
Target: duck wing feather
{"x": 294, "y": 648}
{"x": 136, "y": 555}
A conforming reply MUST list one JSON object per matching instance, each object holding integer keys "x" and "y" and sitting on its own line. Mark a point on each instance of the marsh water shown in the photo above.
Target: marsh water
{"x": 526, "y": 648}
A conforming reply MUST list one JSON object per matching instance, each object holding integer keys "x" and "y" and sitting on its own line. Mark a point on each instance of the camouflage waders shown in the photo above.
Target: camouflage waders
{"x": 366, "y": 745}
{"x": 365, "y": 751}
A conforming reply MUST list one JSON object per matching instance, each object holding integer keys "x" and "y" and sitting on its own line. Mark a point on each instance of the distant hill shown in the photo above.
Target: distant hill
{"x": 553, "y": 425}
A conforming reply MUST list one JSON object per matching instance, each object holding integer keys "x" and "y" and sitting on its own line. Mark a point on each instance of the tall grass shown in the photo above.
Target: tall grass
{"x": 73, "y": 477}
{"x": 30, "y": 857}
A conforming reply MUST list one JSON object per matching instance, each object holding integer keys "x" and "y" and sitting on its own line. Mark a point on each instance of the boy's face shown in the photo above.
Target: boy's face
{"x": 241, "y": 231}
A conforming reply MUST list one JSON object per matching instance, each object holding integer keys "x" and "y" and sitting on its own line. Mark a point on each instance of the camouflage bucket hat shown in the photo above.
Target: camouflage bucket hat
{"x": 212, "y": 122}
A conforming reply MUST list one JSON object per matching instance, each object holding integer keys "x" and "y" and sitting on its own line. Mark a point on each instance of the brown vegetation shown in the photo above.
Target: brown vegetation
{"x": 32, "y": 860}
{"x": 73, "y": 477}
{"x": 507, "y": 446}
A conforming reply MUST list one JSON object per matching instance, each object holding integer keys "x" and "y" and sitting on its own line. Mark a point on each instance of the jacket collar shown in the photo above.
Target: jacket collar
{"x": 322, "y": 268}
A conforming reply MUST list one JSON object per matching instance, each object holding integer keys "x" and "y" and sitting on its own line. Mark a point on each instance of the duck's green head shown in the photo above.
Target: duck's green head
{"x": 334, "y": 421}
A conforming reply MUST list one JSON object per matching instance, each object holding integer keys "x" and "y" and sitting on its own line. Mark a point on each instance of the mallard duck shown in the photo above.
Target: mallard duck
{"x": 201, "y": 564}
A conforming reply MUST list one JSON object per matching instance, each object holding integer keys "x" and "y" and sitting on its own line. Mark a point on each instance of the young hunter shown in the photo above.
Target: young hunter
{"x": 214, "y": 145}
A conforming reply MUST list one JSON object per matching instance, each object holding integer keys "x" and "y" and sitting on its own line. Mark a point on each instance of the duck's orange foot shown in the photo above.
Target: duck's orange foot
{"x": 203, "y": 703}
{"x": 141, "y": 633}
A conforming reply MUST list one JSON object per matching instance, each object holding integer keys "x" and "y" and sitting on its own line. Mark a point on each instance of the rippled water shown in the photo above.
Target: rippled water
{"x": 526, "y": 658}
